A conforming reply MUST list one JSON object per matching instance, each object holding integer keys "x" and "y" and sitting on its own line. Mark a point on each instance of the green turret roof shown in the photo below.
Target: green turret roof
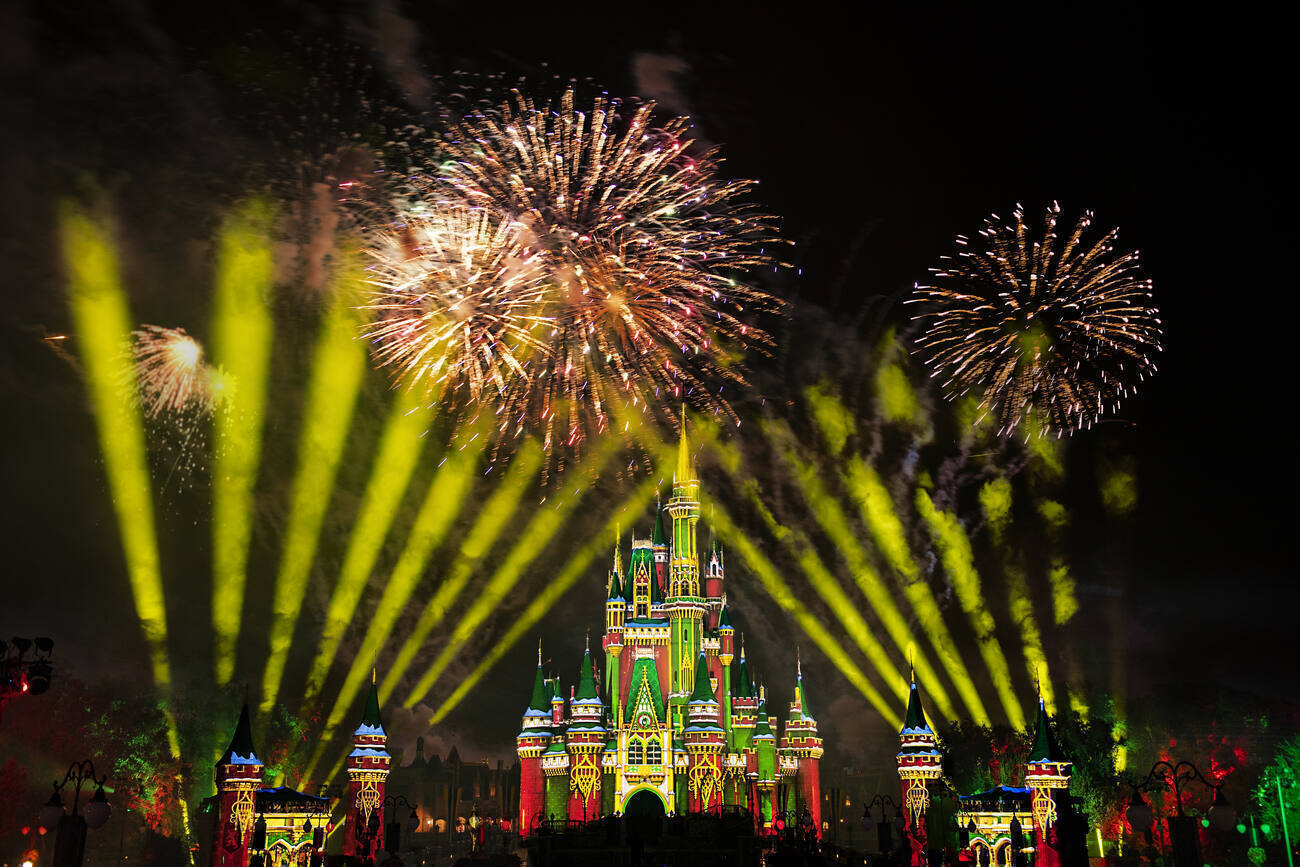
{"x": 659, "y": 538}
{"x": 370, "y": 717}
{"x": 724, "y": 618}
{"x": 240, "y": 751}
{"x": 703, "y": 686}
{"x": 541, "y": 700}
{"x": 804, "y": 709}
{"x": 1045, "y": 748}
{"x": 587, "y": 680}
{"x": 743, "y": 688}
{"x": 556, "y": 695}
{"x": 915, "y": 719}
{"x": 615, "y": 588}
{"x": 761, "y": 728}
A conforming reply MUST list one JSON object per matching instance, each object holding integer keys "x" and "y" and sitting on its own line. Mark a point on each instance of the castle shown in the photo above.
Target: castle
{"x": 675, "y": 724}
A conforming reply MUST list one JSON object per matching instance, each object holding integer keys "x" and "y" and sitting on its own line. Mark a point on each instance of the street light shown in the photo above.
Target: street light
{"x": 70, "y": 829}
{"x": 393, "y": 828}
{"x": 884, "y": 841}
{"x": 1182, "y": 829}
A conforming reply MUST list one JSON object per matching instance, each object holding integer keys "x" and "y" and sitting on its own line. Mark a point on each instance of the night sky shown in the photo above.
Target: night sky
{"x": 876, "y": 139}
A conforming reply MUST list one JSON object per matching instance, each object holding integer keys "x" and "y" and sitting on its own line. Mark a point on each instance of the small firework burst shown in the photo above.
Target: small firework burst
{"x": 170, "y": 374}
{"x": 639, "y": 251}
{"x": 1055, "y": 328}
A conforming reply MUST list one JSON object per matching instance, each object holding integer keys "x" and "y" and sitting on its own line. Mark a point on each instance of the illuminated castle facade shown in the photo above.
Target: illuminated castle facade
{"x": 1003, "y": 825}
{"x": 670, "y": 720}
{"x": 282, "y": 827}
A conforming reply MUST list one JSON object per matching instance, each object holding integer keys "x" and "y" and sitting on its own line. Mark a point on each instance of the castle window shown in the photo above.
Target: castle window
{"x": 654, "y": 752}
{"x": 636, "y": 751}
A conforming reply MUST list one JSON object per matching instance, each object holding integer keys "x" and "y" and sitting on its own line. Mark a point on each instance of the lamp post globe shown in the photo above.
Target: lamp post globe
{"x": 1223, "y": 815}
{"x": 51, "y": 812}
{"x": 1139, "y": 812}
{"x": 98, "y": 810}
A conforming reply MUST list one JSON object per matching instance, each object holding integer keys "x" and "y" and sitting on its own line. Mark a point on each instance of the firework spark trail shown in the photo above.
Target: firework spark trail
{"x": 443, "y": 501}
{"x": 769, "y": 576}
{"x": 959, "y": 564}
{"x": 446, "y": 497}
{"x": 491, "y": 520}
{"x": 101, "y": 322}
{"x": 641, "y": 246}
{"x": 1061, "y": 331}
{"x": 879, "y": 515}
{"x": 242, "y": 336}
{"x": 995, "y": 500}
{"x": 835, "y": 522}
{"x": 337, "y": 373}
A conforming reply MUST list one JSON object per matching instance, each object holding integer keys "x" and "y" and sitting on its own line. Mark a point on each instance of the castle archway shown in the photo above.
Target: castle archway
{"x": 645, "y": 802}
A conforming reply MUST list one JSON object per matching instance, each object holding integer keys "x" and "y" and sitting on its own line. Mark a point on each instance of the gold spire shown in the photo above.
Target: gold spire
{"x": 685, "y": 472}
{"x": 618, "y": 557}
{"x": 539, "y": 653}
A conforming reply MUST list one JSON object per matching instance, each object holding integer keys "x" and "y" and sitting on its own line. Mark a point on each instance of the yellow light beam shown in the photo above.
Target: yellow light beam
{"x": 542, "y": 528}
{"x": 876, "y": 507}
{"x": 487, "y": 527}
{"x": 338, "y": 370}
{"x": 995, "y": 500}
{"x": 442, "y": 503}
{"x": 551, "y": 593}
{"x": 959, "y": 562}
{"x": 102, "y": 325}
{"x": 826, "y": 509}
{"x": 768, "y": 575}
{"x": 241, "y": 346}
{"x": 395, "y": 460}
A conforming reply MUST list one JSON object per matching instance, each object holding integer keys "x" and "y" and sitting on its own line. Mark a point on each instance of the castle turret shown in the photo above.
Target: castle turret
{"x": 919, "y": 761}
{"x": 726, "y": 653}
{"x": 744, "y": 710}
{"x": 585, "y": 743}
{"x": 802, "y": 742}
{"x": 615, "y": 618}
{"x": 533, "y": 739}
{"x": 684, "y": 604}
{"x": 713, "y": 586}
{"x": 705, "y": 742}
{"x": 764, "y": 742}
{"x": 238, "y": 776}
{"x": 1047, "y": 774}
{"x": 367, "y": 776}
{"x": 660, "y": 549}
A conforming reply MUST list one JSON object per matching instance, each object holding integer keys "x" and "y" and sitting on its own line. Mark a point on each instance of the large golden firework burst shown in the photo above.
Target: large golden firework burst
{"x": 1050, "y": 328}
{"x": 642, "y": 250}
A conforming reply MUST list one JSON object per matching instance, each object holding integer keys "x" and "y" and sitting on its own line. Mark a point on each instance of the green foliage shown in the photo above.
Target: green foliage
{"x": 1284, "y": 773}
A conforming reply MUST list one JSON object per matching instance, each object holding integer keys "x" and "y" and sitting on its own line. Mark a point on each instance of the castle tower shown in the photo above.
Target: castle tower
{"x": 803, "y": 743}
{"x": 705, "y": 743}
{"x": 726, "y": 653}
{"x": 367, "y": 775}
{"x": 533, "y": 739}
{"x": 919, "y": 761}
{"x": 585, "y": 744}
{"x": 615, "y": 618}
{"x": 660, "y": 549}
{"x": 713, "y": 586}
{"x": 764, "y": 742}
{"x": 238, "y": 776}
{"x": 684, "y": 604}
{"x": 1047, "y": 774}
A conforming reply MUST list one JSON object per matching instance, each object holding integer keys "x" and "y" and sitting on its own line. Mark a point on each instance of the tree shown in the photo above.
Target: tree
{"x": 1280, "y": 777}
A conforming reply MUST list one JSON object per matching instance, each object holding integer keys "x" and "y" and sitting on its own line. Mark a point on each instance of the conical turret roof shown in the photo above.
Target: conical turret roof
{"x": 914, "y": 721}
{"x": 615, "y": 588}
{"x": 724, "y": 618}
{"x": 1045, "y": 748}
{"x": 703, "y": 692}
{"x": 370, "y": 721}
{"x": 540, "y": 703}
{"x": 240, "y": 751}
{"x": 659, "y": 538}
{"x": 587, "y": 680}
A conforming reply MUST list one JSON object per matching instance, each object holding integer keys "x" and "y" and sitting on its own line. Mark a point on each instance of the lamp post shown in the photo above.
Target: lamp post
{"x": 70, "y": 829}
{"x": 393, "y": 828}
{"x": 1182, "y": 828}
{"x": 884, "y": 841}
{"x": 25, "y": 668}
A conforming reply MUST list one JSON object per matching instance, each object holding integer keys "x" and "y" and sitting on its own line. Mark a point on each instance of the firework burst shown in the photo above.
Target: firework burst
{"x": 457, "y": 303}
{"x": 638, "y": 248}
{"x": 1053, "y": 328}
{"x": 170, "y": 374}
